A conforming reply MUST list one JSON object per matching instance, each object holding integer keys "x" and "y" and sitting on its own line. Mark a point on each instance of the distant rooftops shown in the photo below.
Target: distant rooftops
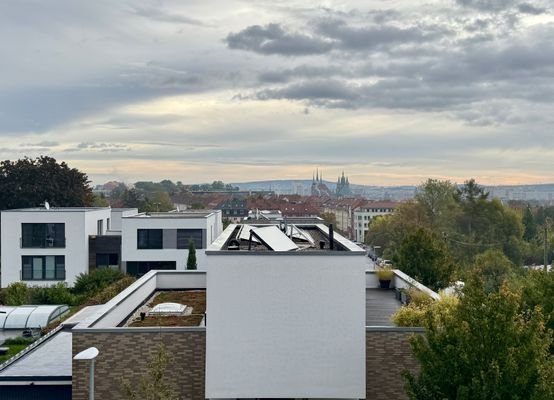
{"x": 282, "y": 238}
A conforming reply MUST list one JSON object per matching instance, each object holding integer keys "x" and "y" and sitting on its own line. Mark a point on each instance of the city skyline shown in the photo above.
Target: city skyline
{"x": 391, "y": 92}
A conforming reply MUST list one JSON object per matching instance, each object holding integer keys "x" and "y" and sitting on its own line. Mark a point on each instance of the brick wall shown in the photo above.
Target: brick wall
{"x": 388, "y": 353}
{"x": 126, "y": 355}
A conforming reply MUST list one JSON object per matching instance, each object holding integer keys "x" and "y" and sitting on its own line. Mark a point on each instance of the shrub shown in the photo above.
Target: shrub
{"x": 110, "y": 292}
{"x": 416, "y": 313}
{"x": 385, "y": 274}
{"x": 18, "y": 341}
{"x": 17, "y": 293}
{"x": 94, "y": 281}
{"x": 60, "y": 294}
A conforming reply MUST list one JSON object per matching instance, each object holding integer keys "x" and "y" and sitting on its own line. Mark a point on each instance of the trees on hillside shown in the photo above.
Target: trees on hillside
{"x": 29, "y": 182}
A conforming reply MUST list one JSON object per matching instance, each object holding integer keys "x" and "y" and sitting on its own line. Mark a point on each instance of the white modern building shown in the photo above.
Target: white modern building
{"x": 161, "y": 240}
{"x": 364, "y": 213}
{"x": 42, "y": 246}
{"x": 286, "y": 314}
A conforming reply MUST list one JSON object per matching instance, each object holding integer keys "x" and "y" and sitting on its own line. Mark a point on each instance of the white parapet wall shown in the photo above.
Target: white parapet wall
{"x": 286, "y": 326}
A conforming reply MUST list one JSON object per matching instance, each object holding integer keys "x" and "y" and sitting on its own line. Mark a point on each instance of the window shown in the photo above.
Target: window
{"x": 108, "y": 224}
{"x": 185, "y": 235}
{"x": 43, "y": 268}
{"x": 107, "y": 260}
{"x": 139, "y": 268}
{"x": 42, "y": 235}
{"x": 100, "y": 227}
{"x": 149, "y": 239}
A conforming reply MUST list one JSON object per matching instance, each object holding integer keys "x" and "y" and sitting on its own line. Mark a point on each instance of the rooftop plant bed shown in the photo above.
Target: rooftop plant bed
{"x": 195, "y": 299}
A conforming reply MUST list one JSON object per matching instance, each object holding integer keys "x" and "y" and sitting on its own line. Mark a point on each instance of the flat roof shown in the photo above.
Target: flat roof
{"x": 58, "y": 209}
{"x": 175, "y": 214}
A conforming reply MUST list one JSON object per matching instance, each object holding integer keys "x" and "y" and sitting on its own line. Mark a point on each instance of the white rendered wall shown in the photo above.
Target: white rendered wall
{"x": 285, "y": 326}
{"x": 78, "y": 226}
{"x": 118, "y": 214}
{"x": 129, "y": 251}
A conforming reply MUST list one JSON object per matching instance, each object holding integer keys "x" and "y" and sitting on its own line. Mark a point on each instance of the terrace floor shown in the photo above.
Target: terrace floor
{"x": 380, "y": 305}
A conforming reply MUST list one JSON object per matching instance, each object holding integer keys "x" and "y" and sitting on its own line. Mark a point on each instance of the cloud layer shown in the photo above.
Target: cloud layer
{"x": 390, "y": 91}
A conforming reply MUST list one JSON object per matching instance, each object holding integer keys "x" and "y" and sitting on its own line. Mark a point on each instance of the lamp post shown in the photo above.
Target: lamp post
{"x": 90, "y": 355}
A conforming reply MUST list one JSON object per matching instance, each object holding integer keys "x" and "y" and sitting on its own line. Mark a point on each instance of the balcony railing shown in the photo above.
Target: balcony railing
{"x": 42, "y": 243}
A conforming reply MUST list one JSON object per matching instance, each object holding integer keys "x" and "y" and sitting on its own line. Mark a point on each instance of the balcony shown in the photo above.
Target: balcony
{"x": 41, "y": 243}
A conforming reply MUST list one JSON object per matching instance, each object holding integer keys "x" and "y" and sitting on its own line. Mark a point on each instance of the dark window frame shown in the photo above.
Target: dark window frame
{"x": 43, "y": 235}
{"x": 184, "y": 236}
{"x": 147, "y": 240}
{"x": 27, "y": 270}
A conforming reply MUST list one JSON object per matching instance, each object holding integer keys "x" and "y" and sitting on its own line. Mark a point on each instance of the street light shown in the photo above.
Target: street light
{"x": 90, "y": 355}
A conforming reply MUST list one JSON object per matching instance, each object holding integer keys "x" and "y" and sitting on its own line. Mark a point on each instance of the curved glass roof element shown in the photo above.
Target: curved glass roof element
{"x": 23, "y": 317}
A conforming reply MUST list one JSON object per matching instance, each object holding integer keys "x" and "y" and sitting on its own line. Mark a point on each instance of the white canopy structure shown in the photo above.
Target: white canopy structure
{"x": 23, "y": 317}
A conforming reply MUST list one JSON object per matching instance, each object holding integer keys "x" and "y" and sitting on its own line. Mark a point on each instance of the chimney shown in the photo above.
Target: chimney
{"x": 331, "y": 237}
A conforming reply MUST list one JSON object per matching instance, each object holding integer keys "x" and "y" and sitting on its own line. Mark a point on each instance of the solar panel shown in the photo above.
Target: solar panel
{"x": 275, "y": 239}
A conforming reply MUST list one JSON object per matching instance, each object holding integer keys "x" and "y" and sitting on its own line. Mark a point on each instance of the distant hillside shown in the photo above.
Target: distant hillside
{"x": 541, "y": 192}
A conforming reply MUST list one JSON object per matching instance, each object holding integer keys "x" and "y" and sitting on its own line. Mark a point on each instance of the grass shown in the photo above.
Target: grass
{"x": 14, "y": 349}
{"x": 195, "y": 299}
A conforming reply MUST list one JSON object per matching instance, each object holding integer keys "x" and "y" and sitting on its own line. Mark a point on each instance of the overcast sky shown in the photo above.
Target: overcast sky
{"x": 390, "y": 91}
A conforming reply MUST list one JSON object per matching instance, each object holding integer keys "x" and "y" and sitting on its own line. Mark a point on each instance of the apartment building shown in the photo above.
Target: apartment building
{"x": 43, "y": 246}
{"x": 161, "y": 240}
{"x": 365, "y": 212}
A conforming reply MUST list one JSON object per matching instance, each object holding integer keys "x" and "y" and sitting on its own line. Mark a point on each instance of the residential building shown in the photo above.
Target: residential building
{"x": 43, "y": 246}
{"x": 343, "y": 211}
{"x": 277, "y": 314}
{"x": 161, "y": 240}
{"x": 234, "y": 209}
{"x": 365, "y": 212}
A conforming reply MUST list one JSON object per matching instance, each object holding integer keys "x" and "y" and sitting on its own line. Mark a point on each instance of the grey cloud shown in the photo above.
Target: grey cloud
{"x": 43, "y": 144}
{"x": 527, "y": 8}
{"x": 273, "y": 39}
{"x": 487, "y": 5}
{"x": 379, "y": 36}
{"x": 158, "y": 14}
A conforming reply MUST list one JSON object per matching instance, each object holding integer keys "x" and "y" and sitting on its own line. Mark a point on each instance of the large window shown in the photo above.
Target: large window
{"x": 43, "y": 268}
{"x": 105, "y": 260}
{"x": 149, "y": 238}
{"x": 42, "y": 235}
{"x": 185, "y": 235}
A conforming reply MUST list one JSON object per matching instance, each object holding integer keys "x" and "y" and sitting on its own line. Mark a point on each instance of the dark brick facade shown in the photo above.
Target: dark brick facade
{"x": 388, "y": 353}
{"x": 126, "y": 355}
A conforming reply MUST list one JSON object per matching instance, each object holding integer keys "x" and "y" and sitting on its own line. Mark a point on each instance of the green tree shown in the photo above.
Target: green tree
{"x": 424, "y": 256}
{"x": 99, "y": 200}
{"x": 494, "y": 268}
{"x": 485, "y": 349}
{"x": 191, "y": 258}
{"x": 437, "y": 200}
{"x": 530, "y": 225}
{"x": 158, "y": 202}
{"x": 29, "y": 182}
{"x": 154, "y": 385}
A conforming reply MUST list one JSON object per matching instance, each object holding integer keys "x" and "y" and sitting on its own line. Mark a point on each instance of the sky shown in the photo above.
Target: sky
{"x": 392, "y": 91}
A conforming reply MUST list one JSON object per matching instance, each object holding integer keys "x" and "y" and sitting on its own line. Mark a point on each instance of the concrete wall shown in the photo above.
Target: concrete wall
{"x": 125, "y": 354}
{"x": 78, "y": 226}
{"x": 129, "y": 252}
{"x": 286, "y": 326}
{"x": 388, "y": 353}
